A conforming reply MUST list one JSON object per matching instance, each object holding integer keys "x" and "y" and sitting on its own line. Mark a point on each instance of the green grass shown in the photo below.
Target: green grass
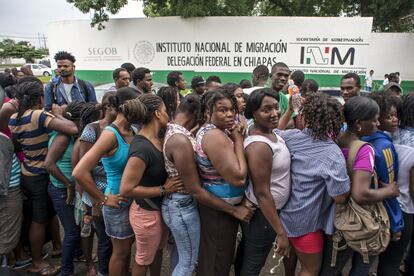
{"x": 10, "y": 66}
{"x": 45, "y": 79}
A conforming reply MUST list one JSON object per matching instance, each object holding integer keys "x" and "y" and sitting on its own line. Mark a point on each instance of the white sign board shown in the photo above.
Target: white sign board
{"x": 218, "y": 44}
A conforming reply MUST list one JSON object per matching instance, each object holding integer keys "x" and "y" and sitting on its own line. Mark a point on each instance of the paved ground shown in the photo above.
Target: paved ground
{"x": 80, "y": 268}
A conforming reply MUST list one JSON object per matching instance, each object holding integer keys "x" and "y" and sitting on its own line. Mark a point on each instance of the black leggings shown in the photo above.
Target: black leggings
{"x": 390, "y": 260}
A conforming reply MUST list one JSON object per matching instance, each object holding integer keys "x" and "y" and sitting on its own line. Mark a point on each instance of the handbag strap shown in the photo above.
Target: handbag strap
{"x": 353, "y": 151}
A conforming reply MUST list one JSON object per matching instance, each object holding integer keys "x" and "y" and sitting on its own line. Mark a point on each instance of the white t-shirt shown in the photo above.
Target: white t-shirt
{"x": 249, "y": 91}
{"x": 405, "y": 164}
{"x": 280, "y": 174}
{"x": 368, "y": 80}
{"x": 68, "y": 88}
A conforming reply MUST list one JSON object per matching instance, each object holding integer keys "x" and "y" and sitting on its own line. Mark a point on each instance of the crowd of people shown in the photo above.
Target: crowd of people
{"x": 225, "y": 174}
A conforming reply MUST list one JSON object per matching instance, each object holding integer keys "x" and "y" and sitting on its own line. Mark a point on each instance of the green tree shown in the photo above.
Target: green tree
{"x": 100, "y": 9}
{"x": 194, "y": 8}
{"x": 387, "y": 14}
{"x": 22, "y": 49}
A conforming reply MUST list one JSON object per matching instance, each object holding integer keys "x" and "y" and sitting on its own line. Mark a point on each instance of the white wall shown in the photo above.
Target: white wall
{"x": 392, "y": 52}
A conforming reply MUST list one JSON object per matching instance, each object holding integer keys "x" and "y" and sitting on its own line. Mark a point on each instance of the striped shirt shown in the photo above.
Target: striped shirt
{"x": 32, "y": 133}
{"x": 318, "y": 173}
{"x": 15, "y": 173}
{"x": 210, "y": 178}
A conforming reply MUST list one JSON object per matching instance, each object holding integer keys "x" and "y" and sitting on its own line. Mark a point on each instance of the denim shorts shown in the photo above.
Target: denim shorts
{"x": 117, "y": 222}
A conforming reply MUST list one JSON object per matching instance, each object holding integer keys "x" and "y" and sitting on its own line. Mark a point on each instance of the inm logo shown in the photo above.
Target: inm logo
{"x": 325, "y": 55}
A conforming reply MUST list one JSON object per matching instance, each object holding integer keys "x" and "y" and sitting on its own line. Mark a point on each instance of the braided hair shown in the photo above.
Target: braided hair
{"x": 407, "y": 111}
{"x": 28, "y": 94}
{"x": 122, "y": 95}
{"x": 73, "y": 110}
{"x": 204, "y": 106}
{"x": 169, "y": 97}
{"x": 323, "y": 116}
{"x": 133, "y": 110}
{"x": 232, "y": 87}
{"x": 90, "y": 113}
{"x": 151, "y": 103}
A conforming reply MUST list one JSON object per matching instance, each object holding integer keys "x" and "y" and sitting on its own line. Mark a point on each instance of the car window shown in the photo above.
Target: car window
{"x": 35, "y": 66}
{"x": 42, "y": 66}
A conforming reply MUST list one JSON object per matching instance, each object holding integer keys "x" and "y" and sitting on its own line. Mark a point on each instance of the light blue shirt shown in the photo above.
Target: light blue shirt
{"x": 318, "y": 173}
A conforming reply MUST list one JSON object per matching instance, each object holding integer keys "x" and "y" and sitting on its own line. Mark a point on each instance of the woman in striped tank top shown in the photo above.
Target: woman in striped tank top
{"x": 223, "y": 169}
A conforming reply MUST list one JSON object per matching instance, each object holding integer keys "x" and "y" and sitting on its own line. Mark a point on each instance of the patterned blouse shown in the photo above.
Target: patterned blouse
{"x": 210, "y": 178}
{"x": 404, "y": 136}
{"x": 171, "y": 130}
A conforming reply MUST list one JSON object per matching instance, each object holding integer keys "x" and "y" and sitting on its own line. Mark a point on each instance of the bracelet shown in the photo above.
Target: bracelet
{"x": 101, "y": 203}
{"x": 162, "y": 190}
{"x": 104, "y": 202}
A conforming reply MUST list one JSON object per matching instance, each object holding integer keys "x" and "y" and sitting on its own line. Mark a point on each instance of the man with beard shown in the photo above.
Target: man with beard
{"x": 141, "y": 80}
{"x": 67, "y": 88}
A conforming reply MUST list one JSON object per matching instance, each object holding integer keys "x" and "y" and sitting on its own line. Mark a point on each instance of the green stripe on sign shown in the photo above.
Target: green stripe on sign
{"x": 105, "y": 76}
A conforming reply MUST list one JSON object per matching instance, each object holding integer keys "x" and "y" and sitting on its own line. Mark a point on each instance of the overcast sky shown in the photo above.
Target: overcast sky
{"x": 24, "y": 19}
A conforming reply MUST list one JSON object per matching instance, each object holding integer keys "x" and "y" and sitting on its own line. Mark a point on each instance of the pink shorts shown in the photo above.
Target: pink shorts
{"x": 151, "y": 233}
{"x": 310, "y": 243}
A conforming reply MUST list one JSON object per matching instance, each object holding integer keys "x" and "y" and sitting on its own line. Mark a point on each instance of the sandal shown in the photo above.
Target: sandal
{"x": 22, "y": 264}
{"x": 82, "y": 259}
{"x": 25, "y": 263}
{"x": 48, "y": 270}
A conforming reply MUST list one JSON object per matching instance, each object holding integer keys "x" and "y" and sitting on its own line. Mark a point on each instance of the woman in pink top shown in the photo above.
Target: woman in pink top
{"x": 361, "y": 115}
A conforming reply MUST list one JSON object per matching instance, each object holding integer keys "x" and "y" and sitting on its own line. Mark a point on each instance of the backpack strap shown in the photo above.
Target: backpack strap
{"x": 336, "y": 239}
{"x": 353, "y": 151}
{"x": 54, "y": 95}
{"x": 84, "y": 89}
{"x": 364, "y": 251}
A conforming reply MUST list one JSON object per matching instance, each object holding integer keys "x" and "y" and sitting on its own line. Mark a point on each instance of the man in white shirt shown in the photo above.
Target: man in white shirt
{"x": 368, "y": 81}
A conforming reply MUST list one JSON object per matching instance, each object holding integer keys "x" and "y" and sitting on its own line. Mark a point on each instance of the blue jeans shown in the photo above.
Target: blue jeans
{"x": 180, "y": 214}
{"x": 359, "y": 268}
{"x": 71, "y": 239}
{"x": 104, "y": 248}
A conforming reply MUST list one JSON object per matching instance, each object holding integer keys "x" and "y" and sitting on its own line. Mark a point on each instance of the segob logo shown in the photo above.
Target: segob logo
{"x": 144, "y": 52}
{"x": 326, "y": 55}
